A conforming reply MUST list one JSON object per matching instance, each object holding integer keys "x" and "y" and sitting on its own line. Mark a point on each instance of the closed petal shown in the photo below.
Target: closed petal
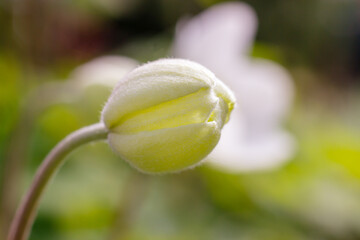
{"x": 167, "y": 150}
{"x": 223, "y": 92}
{"x": 193, "y": 108}
{"x": 155, "y": 83}
{"x": 220, "y": 113}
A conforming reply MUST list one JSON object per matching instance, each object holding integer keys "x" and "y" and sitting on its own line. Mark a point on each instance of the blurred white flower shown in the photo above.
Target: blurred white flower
{"x": 220, "y": 39}
{"x": 106, "y": 71}
{"x": 103, "y": 71}
{"x": 223, "y": 33}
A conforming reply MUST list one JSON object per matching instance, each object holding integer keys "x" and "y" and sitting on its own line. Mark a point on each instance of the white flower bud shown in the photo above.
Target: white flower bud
{"x": 167, "y": 115}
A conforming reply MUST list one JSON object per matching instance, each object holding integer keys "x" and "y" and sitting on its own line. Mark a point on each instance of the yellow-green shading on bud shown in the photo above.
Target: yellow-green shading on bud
{"x": 167, "y": 115}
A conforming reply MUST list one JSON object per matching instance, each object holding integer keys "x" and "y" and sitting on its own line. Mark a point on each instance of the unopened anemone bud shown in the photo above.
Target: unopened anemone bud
{"x": 167, "y": 115}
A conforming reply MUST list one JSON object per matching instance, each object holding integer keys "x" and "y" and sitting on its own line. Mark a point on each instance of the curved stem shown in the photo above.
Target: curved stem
{"x": 25, "y": 215}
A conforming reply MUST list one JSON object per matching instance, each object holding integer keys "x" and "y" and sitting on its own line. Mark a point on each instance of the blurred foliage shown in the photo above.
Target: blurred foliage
{"x": 267, "y": 51}
{"x": 96, "y": 195}
{"x": 10, "y": 93}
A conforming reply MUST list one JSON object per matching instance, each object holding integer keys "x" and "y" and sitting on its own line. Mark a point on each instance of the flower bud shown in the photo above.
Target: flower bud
{"x": 167, "y": 115}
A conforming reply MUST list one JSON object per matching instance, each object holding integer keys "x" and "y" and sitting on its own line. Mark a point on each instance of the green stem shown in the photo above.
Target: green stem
{"x": 25, "y": 215}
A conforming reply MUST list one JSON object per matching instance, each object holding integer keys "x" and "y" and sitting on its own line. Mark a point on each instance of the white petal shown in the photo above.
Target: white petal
{"x": 222, "y": 31}
{"x": 265, "y": 93}
{"x": 234, "y": 153}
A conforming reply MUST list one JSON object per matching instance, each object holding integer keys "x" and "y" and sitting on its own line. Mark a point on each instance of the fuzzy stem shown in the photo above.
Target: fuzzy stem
{"x": 25, "y": 215}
